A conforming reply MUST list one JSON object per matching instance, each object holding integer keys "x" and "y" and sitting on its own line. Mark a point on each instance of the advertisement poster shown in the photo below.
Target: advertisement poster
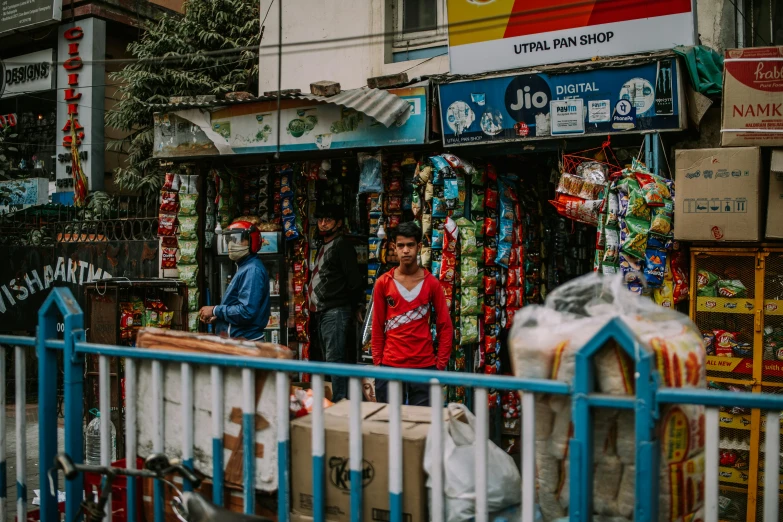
{"x": 22, "y": 14}
{"x": 604, "y": 101}
{"x": 498, "y": 35}
{"x": 252, "y": 128}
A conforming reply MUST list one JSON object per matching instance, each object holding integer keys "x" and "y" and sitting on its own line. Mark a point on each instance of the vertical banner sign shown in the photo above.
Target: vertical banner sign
{"x": 499, "y": 35}
{"x": 80, "y": 91}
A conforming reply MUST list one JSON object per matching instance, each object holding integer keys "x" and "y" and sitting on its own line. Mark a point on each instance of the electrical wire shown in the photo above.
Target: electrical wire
{"x": 737, "y": 10}
{"x": 504, "y": 20}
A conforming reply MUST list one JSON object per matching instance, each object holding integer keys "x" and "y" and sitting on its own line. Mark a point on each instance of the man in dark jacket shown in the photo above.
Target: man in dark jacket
{"x": 335, "y": 291}
{"x": 244, "y": 310}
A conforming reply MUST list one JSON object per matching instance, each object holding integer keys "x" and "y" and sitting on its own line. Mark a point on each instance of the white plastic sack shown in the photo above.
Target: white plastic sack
{"x": 503, "y": 480}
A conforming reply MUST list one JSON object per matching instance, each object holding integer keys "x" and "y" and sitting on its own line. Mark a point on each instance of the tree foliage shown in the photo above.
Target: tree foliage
{"x": 207, "y": 26}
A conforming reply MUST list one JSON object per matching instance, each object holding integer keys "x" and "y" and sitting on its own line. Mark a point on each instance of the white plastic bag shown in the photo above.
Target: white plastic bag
{"x": 503, "y": 480}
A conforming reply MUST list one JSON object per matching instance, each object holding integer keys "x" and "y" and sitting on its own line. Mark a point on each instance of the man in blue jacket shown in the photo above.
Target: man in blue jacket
{"x": 244, "y": 310}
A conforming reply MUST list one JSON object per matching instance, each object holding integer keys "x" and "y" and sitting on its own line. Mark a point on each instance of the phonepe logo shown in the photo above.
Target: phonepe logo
{"x": 527, "y": 96}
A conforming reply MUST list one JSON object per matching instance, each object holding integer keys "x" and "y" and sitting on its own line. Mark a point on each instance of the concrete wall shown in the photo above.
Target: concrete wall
{"x": 347, "y": 46}
{"x": 716, "y": 24}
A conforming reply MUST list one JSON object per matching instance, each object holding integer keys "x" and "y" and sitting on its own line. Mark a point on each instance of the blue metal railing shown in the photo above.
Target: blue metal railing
{"x": 646, "y": 404}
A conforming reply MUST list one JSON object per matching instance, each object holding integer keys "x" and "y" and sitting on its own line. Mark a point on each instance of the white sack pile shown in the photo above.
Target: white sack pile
{"x": 543, "y": 344}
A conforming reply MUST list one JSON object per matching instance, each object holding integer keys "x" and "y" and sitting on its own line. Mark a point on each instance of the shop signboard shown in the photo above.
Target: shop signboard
{"x": 252, "y": 128}
{"x": 28, "y": 73}
{"x": 499, "y": 35}
{"x": 543, "y": 105}
{"x": 16, "y": 15}
{"x": 30, "y": 272}
{"x": 80, "y": 94}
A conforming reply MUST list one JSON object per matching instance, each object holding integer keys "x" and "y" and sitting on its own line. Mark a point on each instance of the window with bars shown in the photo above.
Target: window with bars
{"x": 759, "y": 22}
{"x": 418, "y": 23}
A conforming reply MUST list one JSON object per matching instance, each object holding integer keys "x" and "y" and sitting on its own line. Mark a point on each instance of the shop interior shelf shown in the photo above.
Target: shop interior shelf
{"x": 733, "y": 475}
{"x": 735, "y": 421}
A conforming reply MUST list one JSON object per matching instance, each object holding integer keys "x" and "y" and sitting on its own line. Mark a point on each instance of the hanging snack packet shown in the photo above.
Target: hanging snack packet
{"x": 612, "y": 208}
{"x": 289, "y": 228}
{"x": 437, "y": 236}
{"x": 634, "y": 243}
{"x": 189, "y": 183}
{"x": 370, "y": 178}
{"x": 470, "y": 330}
{"x": 479, "y": 177}
{"x": 503, "y": 255}
{"x": 612, "y": 246}
{"x": 450, "y": 235}
{"x": 661, "y": 221}
{"x": 188, "y": 227}
{"x": 506, "y": 232}
{"x": 451, "y": 189}
{"x": 168, "y": 258}
{"x": 471, "y": 302}
{"x": 637, "y": 207}
{"x": 477, "y": 200}
{"x": 490, "y": 227}
{"x": 631, "y": 269}
{"x": 167, "y": 224}
{"x": 591, "y": 190}
{"x": 374, "y": 247}
{"x": 448, "y": 267}
{"x": 655, "y": 267}
{"x": 187, "y": 252}
{"x": 441, "y": 170}
{"x": 731, "y": 288}
{"x": 470, "y": 274}
{"x": 706, "y": 282}
{"x": 189, "y": 274}
{"x": 171, "y": 182}
{"x": 439, "y": 207}
{"x": 570, "y": 184}
{"x": 491, "y": 198}
{"x": 467, "y": 236}
{"x": 169, "y": 202}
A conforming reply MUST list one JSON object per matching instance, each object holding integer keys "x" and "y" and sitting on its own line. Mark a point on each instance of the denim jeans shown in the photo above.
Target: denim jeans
{"x": 332, "y": 326}
{"x": 413, "y": 394}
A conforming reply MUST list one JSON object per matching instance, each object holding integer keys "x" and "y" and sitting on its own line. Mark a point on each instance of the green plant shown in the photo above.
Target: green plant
{"x": 207, "y": 25}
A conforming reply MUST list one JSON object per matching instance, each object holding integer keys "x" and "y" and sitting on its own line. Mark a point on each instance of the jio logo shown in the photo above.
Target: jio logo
{"x": 527, "y": 96}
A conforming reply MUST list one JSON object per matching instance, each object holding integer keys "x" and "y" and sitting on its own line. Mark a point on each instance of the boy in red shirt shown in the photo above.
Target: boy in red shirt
{"x": 402, "y": 302}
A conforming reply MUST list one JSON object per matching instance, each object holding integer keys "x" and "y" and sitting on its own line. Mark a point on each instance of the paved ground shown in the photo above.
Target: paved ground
{"x": 33, "y": 471}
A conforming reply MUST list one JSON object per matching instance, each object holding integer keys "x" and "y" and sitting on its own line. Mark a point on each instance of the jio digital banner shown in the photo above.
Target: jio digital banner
{"x": 497, "y": 35}
{"x": 538, "y": 106}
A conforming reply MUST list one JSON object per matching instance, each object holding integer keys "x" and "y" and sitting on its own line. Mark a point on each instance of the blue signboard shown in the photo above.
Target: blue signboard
{"x": 537, "y": 106}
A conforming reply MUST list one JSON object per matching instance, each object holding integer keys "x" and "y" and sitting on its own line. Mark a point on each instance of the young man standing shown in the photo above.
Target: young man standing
{"x": 402, "y": 302}
{"x": 335, "y": 292}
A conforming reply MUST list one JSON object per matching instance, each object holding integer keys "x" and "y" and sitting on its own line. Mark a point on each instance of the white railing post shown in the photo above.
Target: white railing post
{"x": 436, "y": 472}
{"x": 356, "y": 457}
{"x": 528, "y": 457}
{"x": 395, "y": 450}
{"x": 772, "y": 467}
{"x": 481, "y": 441}
{"x": 20, "y": 374}
{"x": 711, "y": 452}
{"x": 105, "y": 407}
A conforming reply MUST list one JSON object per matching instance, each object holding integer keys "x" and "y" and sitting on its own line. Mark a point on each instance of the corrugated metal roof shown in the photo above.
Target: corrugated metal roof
{"x": 381, "y": 105}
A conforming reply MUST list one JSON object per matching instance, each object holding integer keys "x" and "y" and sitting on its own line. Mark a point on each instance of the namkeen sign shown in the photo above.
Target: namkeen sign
{"x": 509, "y": 34}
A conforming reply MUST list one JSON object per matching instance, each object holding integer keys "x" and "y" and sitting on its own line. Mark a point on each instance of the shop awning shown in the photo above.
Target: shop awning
{"x": 383, "y": 106}
{"x": 356, "y": 118}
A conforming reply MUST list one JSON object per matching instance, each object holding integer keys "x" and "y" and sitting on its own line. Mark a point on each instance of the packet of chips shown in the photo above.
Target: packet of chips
{"x": 655, "y": 267}
{"x": 637, "y": 206}
{"x": 469, "y": 329}
{"x": 731, "y": 288}
{"x": 193, "y": 296}
{"x": 661, "y": 221}
{"x": 706, "y": 281}
{"x": 634, "y": 242}
{"x": 188, "y": 227}
{"x": 189, "y": 274}
{"x": 168, "y": 258}
{"x": 467, "y": 236}
{"x": 167, "y": 224}
{"x": 471, "y": 302}
{"x": 441, "y": 170}
{"x": 470, "y": 274}
{"x": 187, "y": 252}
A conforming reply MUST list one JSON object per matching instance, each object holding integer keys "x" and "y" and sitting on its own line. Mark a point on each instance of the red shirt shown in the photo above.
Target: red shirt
{"x": 401, "y": 329}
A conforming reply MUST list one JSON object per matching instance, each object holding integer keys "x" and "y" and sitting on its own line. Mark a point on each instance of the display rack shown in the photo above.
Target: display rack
{"x": 757, "y": 320}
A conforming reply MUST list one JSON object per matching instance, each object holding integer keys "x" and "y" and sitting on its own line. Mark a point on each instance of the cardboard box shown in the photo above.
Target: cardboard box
{"x": 775, "y": 202}
{"x": 718, "y": 194}
{"x": 375, "y": 429}
{"x": 753, "y": 97}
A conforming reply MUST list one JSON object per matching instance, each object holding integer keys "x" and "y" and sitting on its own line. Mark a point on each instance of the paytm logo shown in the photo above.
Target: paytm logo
{"x": 527, "y": 96}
